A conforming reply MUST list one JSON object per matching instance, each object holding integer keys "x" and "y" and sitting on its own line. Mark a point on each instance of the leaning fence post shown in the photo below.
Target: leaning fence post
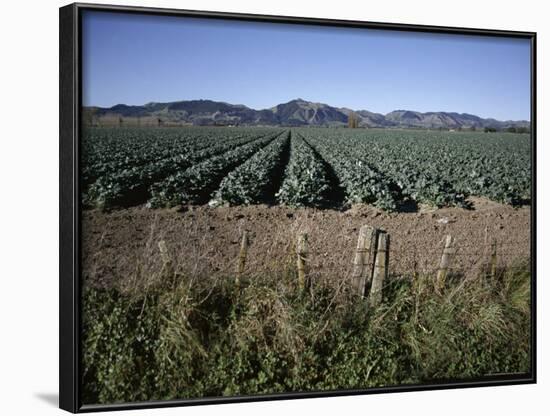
{"x": 363, "y": 260}
{"x": 301, "y": 258}
{"x": 380, "y": 273}
{"x": 242, "y": 258}
{"x": 494, "y": 260}
{"x": 444, "y": 264}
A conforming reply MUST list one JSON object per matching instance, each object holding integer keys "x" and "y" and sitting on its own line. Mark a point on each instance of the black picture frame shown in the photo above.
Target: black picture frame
{"x": 69, "y": 205}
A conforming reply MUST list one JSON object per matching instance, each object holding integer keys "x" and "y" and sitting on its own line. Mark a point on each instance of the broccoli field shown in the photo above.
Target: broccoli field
{"x": 174, "y": 307}
{"x": 394, "y": 170}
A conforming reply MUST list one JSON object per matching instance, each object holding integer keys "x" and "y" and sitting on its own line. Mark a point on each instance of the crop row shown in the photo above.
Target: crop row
{"x": 108, "y": 150}
{"x": 438, "y": 169}
{"x": 255, "y": 181}
{"x": 131, "y": 186}
{"x": 361, "y": 182}
{"x": 306, "y": 182}
{"x": 197, "y": 183}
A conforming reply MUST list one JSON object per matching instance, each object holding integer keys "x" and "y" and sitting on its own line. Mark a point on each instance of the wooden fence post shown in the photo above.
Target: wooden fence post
{"x": 242, "y": 258}
{"x": 167, "y": 266}
{"x": 444, "y": 264}
{"x": 494, "y": 260}
{"x": 301, "y": 258}
{"x": 484, "y": 263}
{"x": 363, "y": 260}
{"x": 380, "y": 273}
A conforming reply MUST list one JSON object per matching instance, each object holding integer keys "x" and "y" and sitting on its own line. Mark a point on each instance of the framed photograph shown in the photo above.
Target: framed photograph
{"x": 266, "y": 207}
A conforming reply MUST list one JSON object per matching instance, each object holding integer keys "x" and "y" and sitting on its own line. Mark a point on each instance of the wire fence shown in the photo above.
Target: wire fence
{"x": 466, "y": 257}
{"x": 331, "y": 252}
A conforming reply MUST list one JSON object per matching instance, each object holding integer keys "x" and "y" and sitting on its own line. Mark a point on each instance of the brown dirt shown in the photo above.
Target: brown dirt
{"x": 205, "y": 241}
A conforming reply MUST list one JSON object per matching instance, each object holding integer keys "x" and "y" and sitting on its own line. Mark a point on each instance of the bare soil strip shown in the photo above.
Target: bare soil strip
{"x": 204, "y": 241}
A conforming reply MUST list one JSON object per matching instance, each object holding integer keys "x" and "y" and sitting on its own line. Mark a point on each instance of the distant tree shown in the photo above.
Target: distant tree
{"x": 459, "y": 128}
{"x": 89, "y": 116}
{"x": 523, "y": 130}
{"x": 511, "y": 130}
{"x": 489, "y": 130}
{"x": 353, "y": 122}
{"x": 120, "y": 122}
{"x": 473, "y": 128}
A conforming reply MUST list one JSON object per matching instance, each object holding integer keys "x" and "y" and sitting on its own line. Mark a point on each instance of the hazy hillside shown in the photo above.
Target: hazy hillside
{"x": 297, "y": 112}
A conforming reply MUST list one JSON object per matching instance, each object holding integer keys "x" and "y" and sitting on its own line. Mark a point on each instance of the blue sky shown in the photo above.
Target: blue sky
{"x": 134, "y": 59}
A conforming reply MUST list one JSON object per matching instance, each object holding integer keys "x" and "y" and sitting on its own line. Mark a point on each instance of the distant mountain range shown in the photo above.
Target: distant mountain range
{"x": 297, "y": 112}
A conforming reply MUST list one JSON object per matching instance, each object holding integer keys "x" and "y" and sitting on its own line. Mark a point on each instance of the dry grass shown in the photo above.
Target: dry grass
{"x": 165, "y": 333}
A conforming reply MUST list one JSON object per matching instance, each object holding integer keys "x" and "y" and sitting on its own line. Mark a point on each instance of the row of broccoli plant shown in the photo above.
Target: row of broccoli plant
{"x": 255, "y": 181}
{"x": 441, "y": 169}
{"x": 417, "y": 178}
{"x": 107, "y": 151}
{"x": 196, "y": 184}
{"x": 306, "y": 182}
{"x": 132, "y": 186}
{"x": 362, "y": 184}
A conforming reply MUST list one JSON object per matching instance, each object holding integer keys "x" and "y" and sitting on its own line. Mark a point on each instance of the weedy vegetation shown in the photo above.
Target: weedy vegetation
{"x": 170, "y": 336}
